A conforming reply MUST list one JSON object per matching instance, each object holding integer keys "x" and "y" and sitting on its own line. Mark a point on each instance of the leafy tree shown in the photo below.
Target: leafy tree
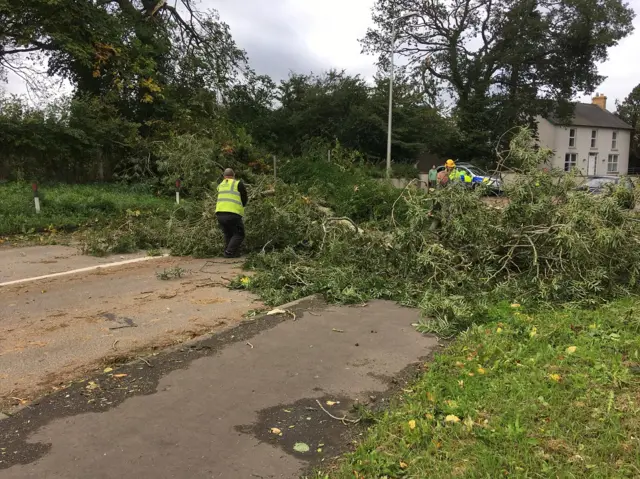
{"x": 629, "y": 111}
{"x": 338, "y": 107}
{"x": 499, "y": 58}
{"x": 117, "y": 43}
{"x": 161, "y": 67}
{"x": 251, "y": 104}
{"x": 75, "y": 139}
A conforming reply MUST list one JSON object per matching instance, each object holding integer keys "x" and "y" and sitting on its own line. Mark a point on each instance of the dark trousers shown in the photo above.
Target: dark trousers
{"x": 233, "y": 229}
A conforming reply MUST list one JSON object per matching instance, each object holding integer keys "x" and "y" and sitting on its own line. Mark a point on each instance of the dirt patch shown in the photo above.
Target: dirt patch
{"x": 304, "y": 422}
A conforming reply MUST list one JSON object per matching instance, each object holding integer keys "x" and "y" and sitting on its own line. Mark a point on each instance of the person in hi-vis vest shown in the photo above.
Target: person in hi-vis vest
{"x": 232, "y": 198}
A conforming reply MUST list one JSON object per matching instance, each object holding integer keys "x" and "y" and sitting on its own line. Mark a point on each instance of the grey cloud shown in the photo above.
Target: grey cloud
{"x": 270, "y": 34}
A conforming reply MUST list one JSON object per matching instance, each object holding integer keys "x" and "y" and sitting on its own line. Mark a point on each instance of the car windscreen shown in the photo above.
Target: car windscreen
{"x": 600, "y": 182}
{"x": 476, "y": 171}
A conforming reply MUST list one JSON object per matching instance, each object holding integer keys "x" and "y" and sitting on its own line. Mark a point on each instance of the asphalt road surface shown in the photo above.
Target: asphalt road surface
{"x": 205, "y": 408}
{"x": 55, "y": 329}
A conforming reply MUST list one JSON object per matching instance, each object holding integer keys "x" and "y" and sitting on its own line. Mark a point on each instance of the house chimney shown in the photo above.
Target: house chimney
{"x": 600, "y": 100}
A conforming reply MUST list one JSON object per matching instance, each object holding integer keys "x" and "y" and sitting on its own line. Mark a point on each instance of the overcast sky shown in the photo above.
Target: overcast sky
{"x": 315, "y": 35}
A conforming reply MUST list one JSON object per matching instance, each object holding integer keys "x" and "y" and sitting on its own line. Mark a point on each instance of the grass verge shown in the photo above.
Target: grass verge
{"x": 551, "y": 394}
{"x": 68, "y": 207}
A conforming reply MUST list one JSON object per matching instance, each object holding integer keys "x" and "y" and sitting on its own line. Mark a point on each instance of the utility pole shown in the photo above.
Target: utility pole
{"x": 390, "y": 123}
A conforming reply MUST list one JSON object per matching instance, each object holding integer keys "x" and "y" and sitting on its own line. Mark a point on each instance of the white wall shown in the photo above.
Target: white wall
{"x": 557, "y": 139}
{"x": 546, "y": 133}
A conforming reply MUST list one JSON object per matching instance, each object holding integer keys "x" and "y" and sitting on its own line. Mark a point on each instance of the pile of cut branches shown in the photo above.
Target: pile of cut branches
{"x": 450, "y": 252}
{"x": 330, "y": 229}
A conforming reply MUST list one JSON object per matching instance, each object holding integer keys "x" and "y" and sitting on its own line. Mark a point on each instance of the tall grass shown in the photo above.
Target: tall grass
{"x": 68, "y": 207}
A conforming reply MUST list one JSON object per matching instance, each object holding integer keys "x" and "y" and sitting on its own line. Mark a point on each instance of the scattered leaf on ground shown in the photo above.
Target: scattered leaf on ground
{"x": 468, "y": 422}
{"x": 301, "y": 447}
{"x": 275, "y": 430}
{"x": 571, "y": 349}
{"x": 107, "y": 370}
{"x": 452, "y": 418}
{"x": 121, "y": 375}
{"x": 412, "y": 424}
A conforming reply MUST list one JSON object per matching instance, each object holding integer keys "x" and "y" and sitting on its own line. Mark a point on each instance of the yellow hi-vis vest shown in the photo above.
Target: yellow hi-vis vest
{"x": 229, "y": 199}
{"x": 460, "y": 175}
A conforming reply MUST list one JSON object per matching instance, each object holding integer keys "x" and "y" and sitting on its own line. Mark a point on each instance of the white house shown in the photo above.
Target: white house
{"x": 595, "y": 140}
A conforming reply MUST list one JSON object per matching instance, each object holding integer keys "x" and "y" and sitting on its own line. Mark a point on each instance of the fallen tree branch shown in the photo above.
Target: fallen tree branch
{"x": 344, "y": 419}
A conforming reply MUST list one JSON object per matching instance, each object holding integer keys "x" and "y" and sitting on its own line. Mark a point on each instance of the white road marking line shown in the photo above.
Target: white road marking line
{"x": 82, "y": 270}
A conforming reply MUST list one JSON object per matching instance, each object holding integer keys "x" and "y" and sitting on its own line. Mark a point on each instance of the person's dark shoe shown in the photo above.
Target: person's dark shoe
{"x": 228, "y": 255}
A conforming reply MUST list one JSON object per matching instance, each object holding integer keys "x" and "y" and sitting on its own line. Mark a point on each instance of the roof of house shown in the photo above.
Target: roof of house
{"x": 588, "y": 114}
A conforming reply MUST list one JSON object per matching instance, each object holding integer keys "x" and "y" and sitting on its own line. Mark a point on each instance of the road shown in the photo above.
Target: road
{"x": 207, "y": 408}
{"x": 56, "y": 329}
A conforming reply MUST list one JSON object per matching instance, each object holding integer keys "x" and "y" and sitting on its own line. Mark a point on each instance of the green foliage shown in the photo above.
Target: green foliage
{"x": 343, "y": 185}
{"x": 197, "y": 161}
{"x": 67, "y": 207}
{"x": 128, "y": 232}
{"x": 451, "y": 252}
{"x": 141, "y": 73}
{"x": 499, "y": 59}
{"x": 516, "y": 397}
{"x": 629, "y": 111}
{"x": 338, "y": 108}
{"x": 172, "y": 273}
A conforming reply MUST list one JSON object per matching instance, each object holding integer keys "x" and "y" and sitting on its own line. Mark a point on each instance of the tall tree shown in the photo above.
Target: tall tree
{"x": 499, "y": 58}
{"x": 629, "y": 111}
{"x": 337, "y": 106}
{"x": 125, "y": 45}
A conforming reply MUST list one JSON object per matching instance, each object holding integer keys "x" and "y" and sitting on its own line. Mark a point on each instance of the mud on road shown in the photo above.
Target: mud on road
{"x": 57, "y": 329}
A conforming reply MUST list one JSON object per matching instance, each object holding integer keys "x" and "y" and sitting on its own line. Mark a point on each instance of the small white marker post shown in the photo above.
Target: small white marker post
{"x": 275, "y": 176}
{"x": 36, "y": 198}
{"x": 178, "y": 191}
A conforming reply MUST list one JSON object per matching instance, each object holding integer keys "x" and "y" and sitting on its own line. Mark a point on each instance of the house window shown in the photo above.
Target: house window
{"x": 614, "y": 140}
{"x": 570, "y": 160}
{"x": 594, "y": 138}
{"x": 612, "y": 164}
{"x": 572, "y": 138}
